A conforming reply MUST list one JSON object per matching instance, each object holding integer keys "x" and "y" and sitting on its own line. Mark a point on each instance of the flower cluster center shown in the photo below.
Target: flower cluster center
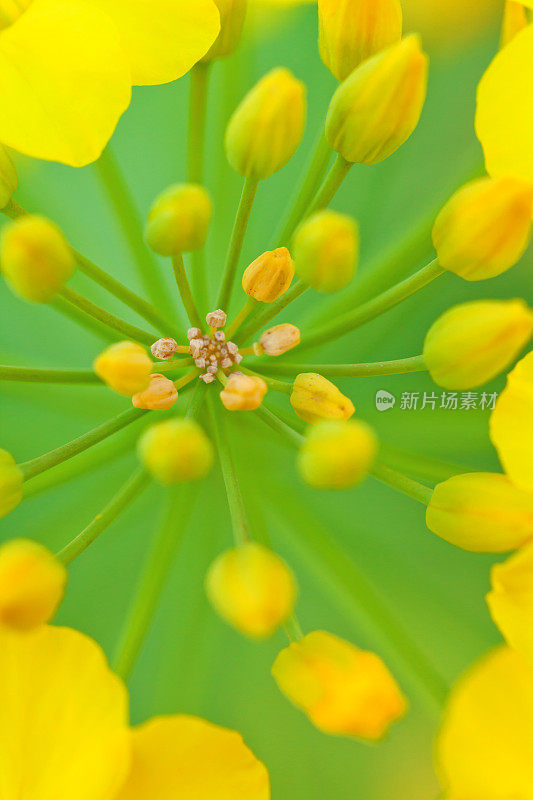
{"x": 213, "y": 352}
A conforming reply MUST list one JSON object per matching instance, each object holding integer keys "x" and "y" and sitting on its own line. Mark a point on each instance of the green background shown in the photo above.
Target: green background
{"x": 192, "y": 662}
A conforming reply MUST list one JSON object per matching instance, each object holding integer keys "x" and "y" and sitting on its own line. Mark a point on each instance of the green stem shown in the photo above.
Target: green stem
{"x": 185, "y": 290}
{"x": 373, "y": 308}
{"x": 236, "y": 242}
{"x": 250, "y": 305}
{"x": 129, "y": 219}
{"x": 272, "y": 383}
{"x": 402, "y": 483}
{"x": 293, "y": 438}
{"x": 115, "y": 323}
{"x": 168, "y": 366}
{"x": 399, "y": 366}
{"x": 420, "y": 465}
{"x": 73, "y": 313}
{"x": 332, "y": 184}
{"x": 81, "y": 443}
{"x": 188, "y": 378}
{"x": 272, "y": 310}
{"x": 315, "y": 174}
{"x": 125, "y": 495}
{"x": 293, "y": 629}
{"x": 229, "y": 473}
{"x": 27, "y": 374}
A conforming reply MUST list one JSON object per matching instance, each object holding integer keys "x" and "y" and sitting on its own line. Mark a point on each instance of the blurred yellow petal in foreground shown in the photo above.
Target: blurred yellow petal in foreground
{"x": 65, "y": 716}
{"x": 485, "y": 745}
{"x": 186, "y": 757}
{"x": 511, "y": 600}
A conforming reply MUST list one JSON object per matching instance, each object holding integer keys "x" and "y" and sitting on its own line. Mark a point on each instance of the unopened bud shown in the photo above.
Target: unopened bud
{"x": 336, "y": 454}
{"x": 343, "y": 690}
{"x": 473, "y": 342}
{"x": 11, "y": 480}
{"x": 511, "y": 600}
{"x": 269, "y": 276}
{"x": 160, "y": 394}
{"x": 278, "y": 340}
{"x": 482, "y": 512}
{"x": 484, "y": 228}
{"x": 252, "y": 588}
{"x": 378, "y": 107}
{"x": 164, "y": 349}
{"x": 243, "y": 392}
{"x": 314, "y": 398}
{"x": 32, "y": 584}
{"x": 8, "y": 178}
{"x": 326, "y": 251}
{"x": 125, "y": 367}
{"x": 176, "y": 451}
{"x": 179, "y": 219}
{"x": 232, "y": 14}
{"x": 354, "y": 30}
{"x": 267, "y": 127}
{"x": 35, "y": 258}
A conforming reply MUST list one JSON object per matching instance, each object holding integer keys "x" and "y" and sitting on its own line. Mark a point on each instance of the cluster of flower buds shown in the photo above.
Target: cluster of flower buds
{"x": 213, "y": 352}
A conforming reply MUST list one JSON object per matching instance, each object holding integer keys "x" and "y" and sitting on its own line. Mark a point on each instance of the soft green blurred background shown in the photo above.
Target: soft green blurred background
{"x": 192, "y": 662}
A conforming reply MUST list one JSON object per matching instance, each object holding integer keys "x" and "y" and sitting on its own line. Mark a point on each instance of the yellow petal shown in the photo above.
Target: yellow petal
{"x": 511, "y": 424}
{"x": 511, "y": 600}
{"x": 63, "y": 717}
{"x": 163, "y": 38}
{"x": 187, "y": 757}
{"x": 64, "y": 82}
{"x": 485, "y": 746}
{"x": 504, "y": 119}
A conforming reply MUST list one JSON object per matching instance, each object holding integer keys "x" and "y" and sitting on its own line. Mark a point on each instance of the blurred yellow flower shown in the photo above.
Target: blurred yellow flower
{"x": 67, "y": 67}
{"x": 485, "y": 748}
{"x": 511, "y": 600}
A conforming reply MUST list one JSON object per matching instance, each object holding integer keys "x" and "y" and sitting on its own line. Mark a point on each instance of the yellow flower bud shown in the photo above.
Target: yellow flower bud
{"x": 232, "y": 14}
{"x": 32, "y": 584}
{"x": 336, "y": 454}
{"x": 473, "y": 342}
{"x": 378, "y": 107}
{"x": 484, "y": 228}
{"x": 179, "y": 219}
{"x": 125, "y": 367}
{"x": 252, "y": 588}
{"x": 279, "y": 339}
{"x": 8, "y": 178}
{"x": 351, "y": 31}
{"x": 159, "y": 395}
{"x": 326, "y": 251}
{"x": 269, "y": 276}
{"x": 482, "y": 512}
{"x": 314, "y": 398}
{"x": 176, "y": 451}
{"x": 511, "y": 600}
{"x": 35, "y": 258}
{"x": 268, "y": 125}
{"x": 11, "y": 481}
{"x": 243, "y": 392}
{"x": 342, "y": 689}
{"x": 511, "y": 424}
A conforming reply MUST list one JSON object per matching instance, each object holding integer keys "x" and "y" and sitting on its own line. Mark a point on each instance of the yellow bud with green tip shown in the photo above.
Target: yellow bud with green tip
{"x": 315, "y": 398}
{"x": 176, "y": 451}
{"x": 482, "y": 512}
{"x": 178, "y": 221}
{"x": 232, "y": 14}
{"x": 337, "y": 454}
{"x": 35, "y": 258}
{"x": 252, "y": 588}
{"x": 484, "y": 228}
{"x": 350, "y": 31}
{"x": 8, "y": 177}
{"x": 326, "y": 251}
{"x": 269, "y": 276}
{"x": 378, "y": 106}
{"x": 125, "y": 367}
{"x": 32, "y": 584}
{"x": 267, "y": 127}
{"x": 11, "y": 480}
{"x": 473, "y": 342}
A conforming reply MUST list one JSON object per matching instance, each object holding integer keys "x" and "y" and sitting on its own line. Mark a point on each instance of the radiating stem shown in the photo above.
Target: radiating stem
{"x": 113, "y": 322}
{"x": 91, "y": 324}
{"x": 273, "y": 420}
{"x": 188, "y": 378}
{"x": 250, "y": 305}
{"x": 271, "y": 310}
{"x": 184, "y": 289}
{"x": 314, "y": 176}
{"x": 399, "y": 366}
{"x": 130, "y": 222}
{"x": 61, "y": 376}
{"x": 237, "y": 238}
{"x": 293, "y": 630}
{"x": 340, "y": 326}
{"x": 332, "y": 184}
{"x": 168, "y": 366}
{"x": 119, "y": 502}
{"x": 418, "y": 491}
{"x": 272, "y": 383}
{"x": 81, "y": 443}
